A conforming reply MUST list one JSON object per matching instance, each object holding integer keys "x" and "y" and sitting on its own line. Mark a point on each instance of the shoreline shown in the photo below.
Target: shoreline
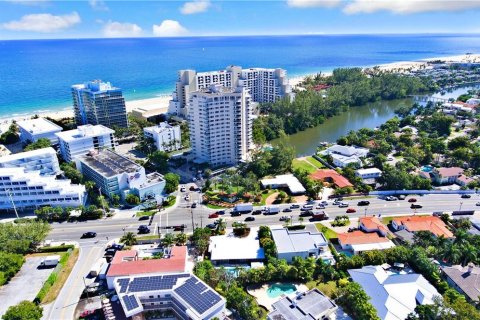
{"x": 161, "y": 101}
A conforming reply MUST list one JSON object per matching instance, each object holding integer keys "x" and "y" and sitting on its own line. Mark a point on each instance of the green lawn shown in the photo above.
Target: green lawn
{"x": 144, "y": 213}
{"x": 303, "y": 165}
{"x": 264, "y": 197}
{"x": 314, "y": 161}
{"x": 329, "y": 233}
{"x": 148, "y": 237}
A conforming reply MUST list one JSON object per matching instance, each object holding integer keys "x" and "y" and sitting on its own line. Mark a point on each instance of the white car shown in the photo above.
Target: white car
{"x": 183, "y": 189}
{"x": 187, "y": 197}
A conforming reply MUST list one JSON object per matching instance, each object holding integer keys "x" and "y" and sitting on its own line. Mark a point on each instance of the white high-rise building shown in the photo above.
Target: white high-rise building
{"x": 80, "y": 141}
{"x": 31, "y": 189}
{"x": 44, "y": 161}
{"x": 220, "y": 122}
{"x": 166, "y": 137}
{"x": 264, "y": 85}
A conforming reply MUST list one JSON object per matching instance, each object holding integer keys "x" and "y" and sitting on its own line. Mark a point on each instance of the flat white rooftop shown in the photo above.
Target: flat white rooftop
{"x": 297, "y": 241}
{"x": 286, "y": 180}
{"x": 162, "y": 126}
{"x": 39, "y": 126}
{"x": 86, "y": 131}
{"x": 368, "y": 171}
{"x": 229, "y": 247}
{"x": 29, "y": 154}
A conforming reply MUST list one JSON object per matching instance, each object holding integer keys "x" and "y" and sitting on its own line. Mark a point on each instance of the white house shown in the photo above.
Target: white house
{"x": 369, "y": 174}
{"x": 302, "y": 243}
{"x": 228, "y": 249}
{"x": 393, "y": 295}
{"x": 33, "y": 129}
{"x": 284, "y": 181}
{"x": 345, "y": 155}
{"x": 167, "y": 138}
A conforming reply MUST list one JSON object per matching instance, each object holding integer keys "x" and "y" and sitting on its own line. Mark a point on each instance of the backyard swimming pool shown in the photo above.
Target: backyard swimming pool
{"x": 427, "y": 168}
{"x": 277, "y": 289}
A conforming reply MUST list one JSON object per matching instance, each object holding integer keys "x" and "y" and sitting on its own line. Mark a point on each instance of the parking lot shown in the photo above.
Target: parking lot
{"x": 25, "y": 285}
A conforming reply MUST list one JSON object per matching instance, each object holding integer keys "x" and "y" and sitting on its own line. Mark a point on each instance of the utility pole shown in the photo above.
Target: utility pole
{"x": 9, "y": 191}
{"x": 191, "y": 211}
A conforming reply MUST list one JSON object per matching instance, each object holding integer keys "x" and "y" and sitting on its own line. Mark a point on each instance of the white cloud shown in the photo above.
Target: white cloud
{"x": 43, "y": 22}
{"x": 196, "y": 6}
{"x": 113, "y": 29}
{"x": 169, "y": 28}
{"x": 313, "y": 3}
{"x": 409, "y": 6}
{"x": 98, "y": 5}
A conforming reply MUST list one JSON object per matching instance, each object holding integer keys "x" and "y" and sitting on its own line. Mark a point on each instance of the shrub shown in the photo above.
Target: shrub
{"x": 56, "y": 248}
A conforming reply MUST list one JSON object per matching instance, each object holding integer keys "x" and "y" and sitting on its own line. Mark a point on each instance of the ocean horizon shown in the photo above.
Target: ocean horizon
{"x": 36, "y": 75}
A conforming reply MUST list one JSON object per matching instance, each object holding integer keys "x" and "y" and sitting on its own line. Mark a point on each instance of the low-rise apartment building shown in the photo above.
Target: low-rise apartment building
{"x": 80, "y": 141}
{"x": 166, "y": 137}
{"x": 33, "y": 129}
{"x": 115, "y": 174}
{"x": 43, "y": 160}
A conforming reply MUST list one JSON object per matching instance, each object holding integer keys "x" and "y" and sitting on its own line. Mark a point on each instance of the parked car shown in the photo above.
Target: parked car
{"x": 363, "y": 203}
{"x": 287, "y": 210}
{"x": 466, "y": 196}
{"x": 50, "y": 261}
{"x": 294, "y": 206}
{"x": 89, "y": 234}
{"x": 194, "y": 205}
{"x": 351, "y": 210}
{"x": 257, "y": 212}
{"x": 143, "y": 229}
{"x": 249, "y": 219}
{"x": 211, "y": 226}
{"x": 412, "y": 200}
{"x": 416, "y": 206}
{"x": 213, "y": 216}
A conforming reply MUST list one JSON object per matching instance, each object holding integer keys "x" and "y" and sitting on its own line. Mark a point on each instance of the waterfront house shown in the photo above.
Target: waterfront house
{"x": 345, "y": 155}
{"x": 288, "y": 181}
{"x": 446, "y": 175}
{"x": 331, "y": 176}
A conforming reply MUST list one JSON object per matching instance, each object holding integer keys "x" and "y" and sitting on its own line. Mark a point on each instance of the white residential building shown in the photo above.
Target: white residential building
{"x": 220, "y": 122}
{"x": 345, "y": 155}
{"x": 115, "y": 174}
{"x": 33, "y": 129}
{"x": 264, "y": 85}
{"x": 166, "y": 137}
{"x": 369, "y": 174}
{"x": 80, "y": 141}
{"x": 393, "y": 295}
{"x": 284, "y": 181}
{"x": 43, "y": 160}
{"x": 31, "y": 189}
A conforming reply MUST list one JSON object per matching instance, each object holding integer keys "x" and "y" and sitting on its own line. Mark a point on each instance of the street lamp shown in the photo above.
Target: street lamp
{"x": 123, "y": 231}
{"x": 365, "y": 211}
{"x": 9, "y": 191}
{"x": 461, "y": 203}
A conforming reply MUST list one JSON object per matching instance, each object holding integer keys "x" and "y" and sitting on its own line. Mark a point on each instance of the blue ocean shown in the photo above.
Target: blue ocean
{"x": 36, "y": 75}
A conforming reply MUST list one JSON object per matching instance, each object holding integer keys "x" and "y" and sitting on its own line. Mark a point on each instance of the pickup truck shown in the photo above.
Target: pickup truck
{"x": 319, "y": 216}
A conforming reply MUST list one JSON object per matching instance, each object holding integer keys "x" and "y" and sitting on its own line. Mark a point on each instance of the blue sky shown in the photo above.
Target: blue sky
{"x": 37, "y": 19}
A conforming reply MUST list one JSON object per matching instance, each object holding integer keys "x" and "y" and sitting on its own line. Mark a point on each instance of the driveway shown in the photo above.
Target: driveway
{"x": 25, "y": 285}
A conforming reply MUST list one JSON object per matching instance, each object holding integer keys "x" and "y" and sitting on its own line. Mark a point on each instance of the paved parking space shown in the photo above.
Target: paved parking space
{"x": 25, "y": 285}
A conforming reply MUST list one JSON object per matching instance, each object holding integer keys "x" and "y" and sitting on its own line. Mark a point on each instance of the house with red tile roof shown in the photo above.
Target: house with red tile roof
{"x": 422, "y": 223}
{"x": 331, "y": 176}
{"x": 359, "y": 241}
{"x": 128, "y": 263}
{"x": 372, "y": 224}
{"x": 446, "y": 175}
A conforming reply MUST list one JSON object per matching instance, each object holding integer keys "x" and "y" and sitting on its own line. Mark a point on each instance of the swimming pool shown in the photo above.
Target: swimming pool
{"x": 277, "y": 289}
{"x": 427, "y": 168}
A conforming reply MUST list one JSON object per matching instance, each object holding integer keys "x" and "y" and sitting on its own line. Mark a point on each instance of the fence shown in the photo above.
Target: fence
{"x": 394, "y": 192}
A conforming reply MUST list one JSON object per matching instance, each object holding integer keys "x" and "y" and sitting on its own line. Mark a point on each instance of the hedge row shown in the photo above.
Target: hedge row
{"x": 56, "y": 248}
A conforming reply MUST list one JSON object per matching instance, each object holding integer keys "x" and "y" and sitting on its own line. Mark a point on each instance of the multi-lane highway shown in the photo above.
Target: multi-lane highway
{"x": 183, "y": 213}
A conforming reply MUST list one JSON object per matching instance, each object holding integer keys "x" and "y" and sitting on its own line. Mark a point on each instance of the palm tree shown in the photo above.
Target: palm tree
{"x": 129, "y": 239}
{"x": 453, "y": 254}
{"x": 221, "y": 226}
{"x": 168, "y": 240}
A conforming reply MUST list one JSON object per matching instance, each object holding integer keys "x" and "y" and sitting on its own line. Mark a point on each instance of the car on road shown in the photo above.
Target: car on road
{"x": 257, "y": 212}
{"x": 320, "y": 206}
{"x": 306, "y": 214}
{"x": 220, "y": 212}
{"x": 477, "y": 204}
{"x": 179, "y": 227}
{"x": 343, "y": 205}
{"x": 412, "y": 200}
{"x": 250, "y": 219}
{"x": 183, "y": 189}
{"x": 192, "y": 188}
{"x": 416, "y": 206}
{"x": 294, "y": 206}
{"x": 143, "y": 229}
{"x": 235, "y": 214}
{"x": 391, "y": 198}
{"x": 287, "y": 210}
{"x": 89, "y": 234}
{"x": 194, "y": 205}
{"x": 187, "y": 197}
{"x": 212, "y": 216}
{"x": 324, "y": 202}
{"x": 212, "y": 226}
{"x": 284, "y": 218}
{"x": 466, "y": 196}
{"x": 306, "y": 207}
{"x": 351, "y": 210}
{"x": 401, "y": 197}
{"x": 144, "y": 218}
{"x": 363, "y": 203}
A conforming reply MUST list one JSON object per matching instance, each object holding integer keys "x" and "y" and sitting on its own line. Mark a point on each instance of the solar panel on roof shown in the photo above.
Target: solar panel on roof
{"x": 197, "y": 295}
{"x": 130, "y": 302}
{"x": 123, "y": 283}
